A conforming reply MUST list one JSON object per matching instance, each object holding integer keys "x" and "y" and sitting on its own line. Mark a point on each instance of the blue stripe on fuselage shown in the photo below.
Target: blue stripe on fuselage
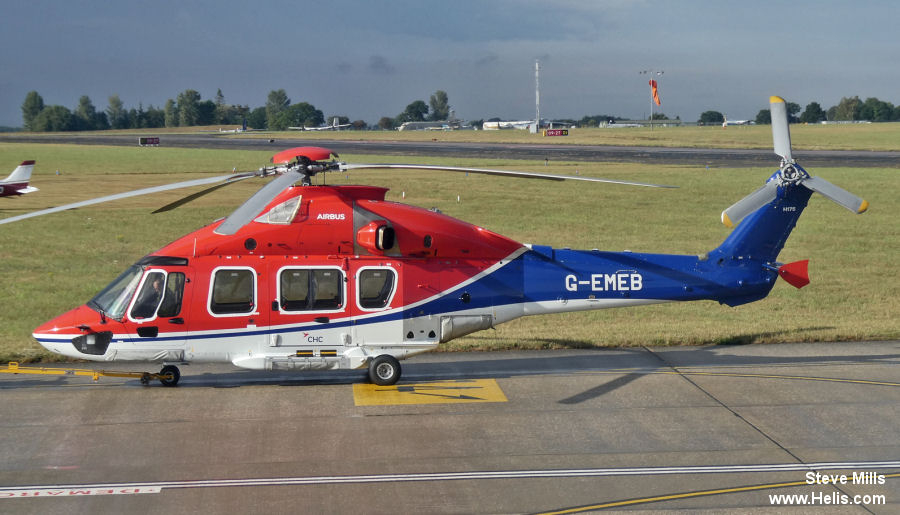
{"x": 542, "y": 274}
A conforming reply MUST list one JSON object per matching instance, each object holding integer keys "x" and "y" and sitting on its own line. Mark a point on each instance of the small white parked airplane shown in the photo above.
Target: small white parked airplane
{"x": 728, "y": 122}
{"x": 333, "y": 127}
{"x": 17, "y": 182}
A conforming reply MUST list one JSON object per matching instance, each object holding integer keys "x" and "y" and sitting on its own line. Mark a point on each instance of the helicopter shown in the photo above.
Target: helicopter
{"x": 306, "y": 277}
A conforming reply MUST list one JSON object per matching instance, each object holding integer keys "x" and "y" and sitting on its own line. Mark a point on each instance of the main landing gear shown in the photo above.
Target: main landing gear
{"x": 169, "y": 375}
{"x": 384, "y": 370}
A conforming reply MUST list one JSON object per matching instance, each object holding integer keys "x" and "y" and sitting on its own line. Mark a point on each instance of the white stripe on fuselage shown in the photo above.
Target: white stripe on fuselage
{"x": 199, "y": 336}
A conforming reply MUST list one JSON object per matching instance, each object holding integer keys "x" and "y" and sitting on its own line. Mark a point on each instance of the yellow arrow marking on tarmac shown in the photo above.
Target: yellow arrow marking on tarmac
{"x": 433, "y": 392}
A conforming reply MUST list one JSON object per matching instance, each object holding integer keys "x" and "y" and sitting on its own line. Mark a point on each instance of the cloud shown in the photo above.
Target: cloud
{"x": 487, "y": 60}
{"x": 380, "y": 65}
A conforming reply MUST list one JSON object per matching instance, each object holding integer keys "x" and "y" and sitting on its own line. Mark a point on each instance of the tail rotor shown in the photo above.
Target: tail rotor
{"x": 789, "y": 175}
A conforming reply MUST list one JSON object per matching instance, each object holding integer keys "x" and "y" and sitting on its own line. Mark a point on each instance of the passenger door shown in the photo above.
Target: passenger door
{"x": 309, "y": 306}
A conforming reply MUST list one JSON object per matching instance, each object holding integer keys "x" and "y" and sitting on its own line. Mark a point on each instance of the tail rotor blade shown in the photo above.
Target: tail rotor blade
{"x": 781, "y": 133}
{"x": 836, "y": 194}
{"x": 740, "y": 209}
{"x": 255, "y": 204}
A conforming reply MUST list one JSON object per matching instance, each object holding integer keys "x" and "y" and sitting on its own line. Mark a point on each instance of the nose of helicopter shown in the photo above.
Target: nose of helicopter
{"x": 56, "y": 333}
{"x": 70, "y": 333}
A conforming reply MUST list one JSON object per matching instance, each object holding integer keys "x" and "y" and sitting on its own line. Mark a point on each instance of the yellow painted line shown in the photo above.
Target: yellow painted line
{"x": 683, "y": 495}
{"x": 432, "y": 392}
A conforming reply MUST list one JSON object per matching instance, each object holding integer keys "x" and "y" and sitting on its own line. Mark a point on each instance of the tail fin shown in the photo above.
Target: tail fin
{"x": 22, "y": 173}
{"x": 762, "y": 234}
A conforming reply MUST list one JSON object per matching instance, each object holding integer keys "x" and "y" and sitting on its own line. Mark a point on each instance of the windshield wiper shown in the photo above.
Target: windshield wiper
{"x": 93, "y": 304}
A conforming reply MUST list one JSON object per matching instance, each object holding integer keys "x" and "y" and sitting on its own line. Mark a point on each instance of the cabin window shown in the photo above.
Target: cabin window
{"x": 311, "y": 289}
{"x": 375, "y": 287}
{"x": 233, "y": 291}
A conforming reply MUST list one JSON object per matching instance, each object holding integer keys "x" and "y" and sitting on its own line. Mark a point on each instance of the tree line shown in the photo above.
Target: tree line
{"x": 189, "y": 109}
{"x": 849, "y": 109}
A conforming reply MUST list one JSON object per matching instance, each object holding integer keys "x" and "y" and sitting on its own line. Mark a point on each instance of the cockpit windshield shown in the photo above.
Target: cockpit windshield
{"x": 114, "y": 299}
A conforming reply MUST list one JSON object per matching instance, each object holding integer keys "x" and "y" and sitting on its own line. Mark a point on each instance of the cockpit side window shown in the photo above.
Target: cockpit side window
{"x": 173, "y": 295}
{"x": 149, "y": 296}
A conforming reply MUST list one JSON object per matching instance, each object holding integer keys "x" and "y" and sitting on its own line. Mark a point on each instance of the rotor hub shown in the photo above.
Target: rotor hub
{"x": 791, "y": 173}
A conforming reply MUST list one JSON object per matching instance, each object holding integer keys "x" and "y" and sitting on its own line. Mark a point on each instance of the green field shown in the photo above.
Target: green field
{"x": 873, "y": 136}
{"x": 54, "y": 263}
{"x": 865, "y": 136}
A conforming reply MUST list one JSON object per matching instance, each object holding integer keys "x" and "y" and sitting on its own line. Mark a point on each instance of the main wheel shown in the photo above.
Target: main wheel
{"x": 384, "y": 370}
{"x": 169, "y": 375}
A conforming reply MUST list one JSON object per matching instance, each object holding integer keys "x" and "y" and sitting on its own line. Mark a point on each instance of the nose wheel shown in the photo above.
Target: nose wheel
{"x": 384, "y": 370}
{"x": 169, "y": 375}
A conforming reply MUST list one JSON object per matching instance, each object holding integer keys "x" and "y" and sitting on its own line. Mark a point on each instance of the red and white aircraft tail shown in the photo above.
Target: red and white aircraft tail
{"x": 17, "y": 182}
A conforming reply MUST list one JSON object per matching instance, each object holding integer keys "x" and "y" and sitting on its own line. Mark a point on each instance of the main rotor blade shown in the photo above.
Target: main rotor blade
{"x": 255, "y": 204}
{"x": 740, "y": 209}
{"x": 117, "y": 196}
{"x": 194, "y": 196}
{"x": 836, "y": 194}
{"x": 507, "y": 173}
{"x": 781, "y": 133}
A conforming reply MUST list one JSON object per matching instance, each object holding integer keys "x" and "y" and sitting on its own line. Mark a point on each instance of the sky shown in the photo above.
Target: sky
{"x": 367, "y": 58}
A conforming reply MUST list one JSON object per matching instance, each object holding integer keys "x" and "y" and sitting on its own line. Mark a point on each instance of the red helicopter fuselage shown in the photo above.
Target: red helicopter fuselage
{"x": 327, "y": 277}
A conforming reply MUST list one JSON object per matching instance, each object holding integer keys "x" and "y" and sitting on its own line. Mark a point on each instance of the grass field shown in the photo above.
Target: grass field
{"x": 54, "y": 263}
{"x": 871, "y": 136}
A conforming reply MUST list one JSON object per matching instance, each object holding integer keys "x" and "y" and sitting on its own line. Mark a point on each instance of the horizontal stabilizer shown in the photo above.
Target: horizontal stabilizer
{"x": 796, "y": 273}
